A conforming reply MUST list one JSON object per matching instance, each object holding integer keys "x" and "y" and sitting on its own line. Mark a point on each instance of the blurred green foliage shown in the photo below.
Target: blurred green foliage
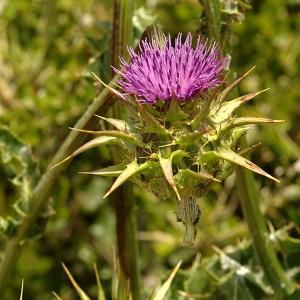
{"x": 47, "y": 50}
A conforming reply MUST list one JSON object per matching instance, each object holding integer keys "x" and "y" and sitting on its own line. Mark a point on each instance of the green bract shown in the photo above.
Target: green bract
{"x": 179, "y": 152}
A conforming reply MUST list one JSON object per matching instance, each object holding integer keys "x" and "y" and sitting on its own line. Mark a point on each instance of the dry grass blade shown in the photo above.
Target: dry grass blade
{"x": 165, "y": 287}
{"x": 21, "y": 296}
{"x": 56, "y": 296}
{"x": 81, "y": 293}
{"x": 101, "y": 295}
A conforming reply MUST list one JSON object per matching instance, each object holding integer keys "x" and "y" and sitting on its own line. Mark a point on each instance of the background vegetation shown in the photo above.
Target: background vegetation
{"x": 47, "y": 50}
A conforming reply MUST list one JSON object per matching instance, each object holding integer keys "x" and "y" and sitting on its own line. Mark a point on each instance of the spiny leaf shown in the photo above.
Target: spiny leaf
{"x": 238, "y": 132}
{"x": 165, "y": 287}
{"x": 249, "y": 150}
{"x": 102, "y": 140}
{"x": 166, "y": 165}
{"x": 225, "y": 111}
{"x": 223, "y": 152}
{"x": 245, "y": 121}
{"x": 188, "y": 178}
{"x": 231, "y": 264}
{"x": 130, "y": 170}
{"x": 118, "y": 134}
{"x": 191, "y": 137}
{"x": 114, "y": 171}
{"x": 204, "y": 112}
{"x": 174, "y": 112}
{"x": 223, "y": 96}
{"x": 177, "y": 155}
{"x": 81, "y": 293}
{"x": 121, "y": 125}
{"x": 151, "y": 125}
{"x": 126, "y": 101}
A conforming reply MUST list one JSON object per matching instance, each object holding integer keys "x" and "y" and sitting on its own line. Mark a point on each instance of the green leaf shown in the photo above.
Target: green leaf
{"x": 128, "y": 137}
{"x": 287, "y": 244}
{"x": 130, "y": 170}
{"x": 166, "y": 165}
{"x": 225, "y": 111}
{"x": 174, "y": 112}
{"x": 113, "y": 171}
{"x": 247, "y": 151}
{"x": 121, "y": 125}
{"x": 224, "y": 95}
{"x": 245, "y": 121}
{"x": 102, "y": 140}
{"x": 190, "y": 138}
{"x": 131, "y": 105}
{"x": 17, "y": 157}
{"x": 188, "y": 178}
{"x": 243, "y": 272}
{"x": 203, "y": 112}
{"x": 151, "y": 125}
{"x": 223, "y": 152}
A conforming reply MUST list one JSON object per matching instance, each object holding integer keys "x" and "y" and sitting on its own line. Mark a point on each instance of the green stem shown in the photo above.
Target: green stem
{"x": 127, "y": 240}
{"x": 263, "y": 250}
{"x": 212, "y": 12}
{"x": 124, "y": 201}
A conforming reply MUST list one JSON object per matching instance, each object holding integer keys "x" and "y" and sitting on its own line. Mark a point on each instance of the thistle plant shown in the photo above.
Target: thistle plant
{"x": 183, "y": 135}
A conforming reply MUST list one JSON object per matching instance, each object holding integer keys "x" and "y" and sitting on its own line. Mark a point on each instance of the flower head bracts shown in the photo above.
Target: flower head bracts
{"x": 160, "y": 72}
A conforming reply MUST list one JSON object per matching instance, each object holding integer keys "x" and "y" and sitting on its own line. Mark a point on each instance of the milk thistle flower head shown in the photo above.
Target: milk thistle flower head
{"x": 182, "y": 136}
{"x": 161, "y": 71}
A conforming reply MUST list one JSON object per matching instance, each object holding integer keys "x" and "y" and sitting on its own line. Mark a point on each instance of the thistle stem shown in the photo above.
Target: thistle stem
{"x": 126, "y": 238}
{"x": 124, "y": 200}
{"x": 189, "y": 214}
{"x": 263, "y": 250}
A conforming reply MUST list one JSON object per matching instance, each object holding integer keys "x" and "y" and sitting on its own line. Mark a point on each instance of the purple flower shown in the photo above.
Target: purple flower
{"x": 161, "y": 71}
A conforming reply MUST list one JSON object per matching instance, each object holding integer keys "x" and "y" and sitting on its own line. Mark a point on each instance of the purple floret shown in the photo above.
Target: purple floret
{"x": 161, "y": 71}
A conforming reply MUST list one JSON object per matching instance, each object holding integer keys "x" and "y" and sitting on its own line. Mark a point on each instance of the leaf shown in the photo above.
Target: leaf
{"x": 102, "y": 140}
{"x": 151, "y": 125}
{"x": 121, "y": 125}
{"x": 174, "y": 112}
{"x": 191, "y": 137}
{"x": 249, "y": 150}
{"x": 132, "y": 106}
{"x": 204, "y": 112}
{"x": 188, "y": 178}
{"x": 165, "y": 287}
{"x": 17, "y": 156}
{"x": 225, "y": 111}
{"x": 245, "y": 121}
{"x": 223, "y": 96}
{"x": 223, "y": 152}
{"x": 166, "y": 165}
{"x": 130, "y": 170}
{"x": 126, "y": 136}
{"x": 241, "y": 271}
{"x": 113, "y": 171}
